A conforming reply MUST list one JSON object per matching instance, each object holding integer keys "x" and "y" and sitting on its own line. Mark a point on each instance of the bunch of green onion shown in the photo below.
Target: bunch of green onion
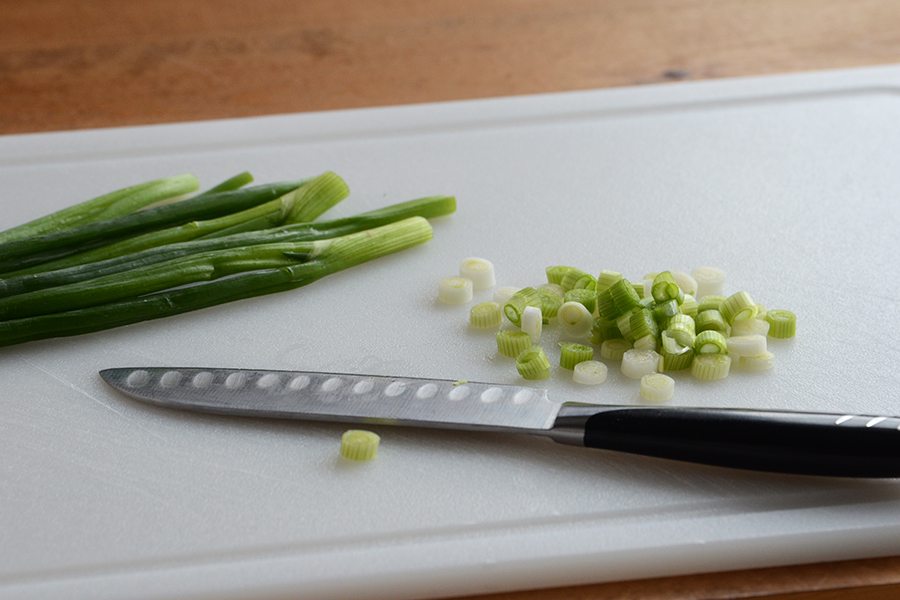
{"x": 158, "y": 249}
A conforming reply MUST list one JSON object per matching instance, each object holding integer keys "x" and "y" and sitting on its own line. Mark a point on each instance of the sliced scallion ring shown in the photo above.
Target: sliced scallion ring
{"x": 516, "y": 305}
{"x": 485, "y": 315}
{"x": 648, "y": 342}
{"x": 585, "y": 296}
{"x": 637, "y": 363}
{"x": 710, "y": 342}
{"x": 614, "y": 349}
{"x": 359, "y": 445}
{"x": 711, "y": 367}
{"x": 455, "y": 290}
{"x": 550, "y": 303}
{"x": 575, "y": 319}
{"x": 606, "y": 279}
{"x": 532, "y": 323}
{"x": 657, "y": 387}
{"x": 589, "y": 372}
{"x": 555, "y": 274}
{"x": 711, "y": 320}
{"x": 603, "y": 330}
{"x": 503, "y": 294}
{"x": 752, "y": 326}
{"x": 479, "y": 271}
{"x": 746, "y": 345}
{"x": 710, "y": 280}
{"x": 686, "y": 282}
{"x": 690, "y": 306}
{"x": 763, "y": 362}
{"x": 512, "y": 343}
{"x": 571, "y": 354}
{"x": 783, "y": 323}
{"x": 533, "y": 364}
{"x": 738, "y": 306}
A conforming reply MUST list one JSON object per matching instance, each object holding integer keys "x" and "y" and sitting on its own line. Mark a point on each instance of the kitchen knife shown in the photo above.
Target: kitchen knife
{"x": 837, "y": 445}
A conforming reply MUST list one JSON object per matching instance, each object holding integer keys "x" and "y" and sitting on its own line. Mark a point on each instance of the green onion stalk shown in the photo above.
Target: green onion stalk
{"x": 432, "y": 206}
{"x": 24, "y": 253}
{"x": 316, "y": 260}
{"x": 108, "y": 206}
{"x": 302, "y": 204}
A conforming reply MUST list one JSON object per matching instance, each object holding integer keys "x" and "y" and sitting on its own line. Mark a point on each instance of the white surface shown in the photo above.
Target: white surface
{"x": 790, "y": 184}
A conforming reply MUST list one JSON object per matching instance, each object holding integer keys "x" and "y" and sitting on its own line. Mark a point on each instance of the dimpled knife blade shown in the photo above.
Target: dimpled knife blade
{"x": 340, "y": 397}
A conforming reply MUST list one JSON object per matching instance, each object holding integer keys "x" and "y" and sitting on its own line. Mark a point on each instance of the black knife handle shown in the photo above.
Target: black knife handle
{"x": 783, "y": 442}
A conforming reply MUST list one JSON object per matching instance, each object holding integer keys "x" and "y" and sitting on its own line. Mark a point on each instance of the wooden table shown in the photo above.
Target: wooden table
{"x": 105, "y": 63}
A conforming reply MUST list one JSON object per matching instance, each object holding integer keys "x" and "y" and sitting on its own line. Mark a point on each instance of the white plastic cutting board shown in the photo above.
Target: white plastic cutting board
{"x": 791, "y": 184}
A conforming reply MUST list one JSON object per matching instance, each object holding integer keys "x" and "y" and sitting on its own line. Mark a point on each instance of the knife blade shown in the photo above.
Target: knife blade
{"x": 802, "y": 443}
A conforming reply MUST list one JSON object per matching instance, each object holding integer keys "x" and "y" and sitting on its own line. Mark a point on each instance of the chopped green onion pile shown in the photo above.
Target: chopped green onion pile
{"x": 152, "y": 250}
{"x": 654, "y": 325}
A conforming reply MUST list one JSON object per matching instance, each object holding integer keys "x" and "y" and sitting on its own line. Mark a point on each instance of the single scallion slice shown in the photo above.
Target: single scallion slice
{"x": 674, "y": 356}
{"x": 637, "y": 363}
{"x": 359, "y": 445}
{"x": 575, "y": 319}
{"x": 686, "y": 282}
{"x": 738, "y": 306}
{"x": 606, "y": 279}
{"x": 657, "y": 387}
{"x": 690, "y": 306}
{"x": 585, "y": 296}
{"x": 455, "y": 290}
{"x": 682, "y": 328}
{"x": 624, "y": 325}
{"x": 603, "y": 330}
{"x": 479, "y": 271}
{"x": 642, "y": 324}
{"x": 589, "y": 372}
{"x": 556, "y": 274}
{"x": 663, "y": 311}
{"x": 783, "y": 323}
{"x": 711, "y": 320}
{"x": 550, "y": 302}
{"x": 605, "y": 305}
{"x": 532, "y": 323}
{"x": 711, "y": 367}
{"x": 512, "y": 343}
{"x": 554, "y": 288}
{"x": 753, "y": 326}
{"x": 710, "y": 280}
{"x": 710, "y": 342}
{"x": 710, "y": 302}
{"x": 532, "y": 363}
{"x": 571, "y": 354}
{"x": 648, "y": 342}
{"x": 485, "y": 315}
{"x": 516, "y": 305}
{"x": 614, "y": 349}
{"x": 502, "y": 295}
{"x": 639, "y": 290}
{"x": 623, "y": 296}
{"x": 576, "y": 279}
{"x": 746, "y": 345}
{"x": 665, "y": 288}
{"x": 763, "y": 362}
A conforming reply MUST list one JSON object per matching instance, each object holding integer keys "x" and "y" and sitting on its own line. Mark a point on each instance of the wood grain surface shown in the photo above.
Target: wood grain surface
{"x": 107, "y": 63}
